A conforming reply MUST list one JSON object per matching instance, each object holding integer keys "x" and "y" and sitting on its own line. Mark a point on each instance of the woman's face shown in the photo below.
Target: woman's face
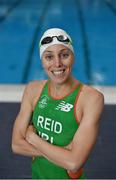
{"x": 57, "y": 61}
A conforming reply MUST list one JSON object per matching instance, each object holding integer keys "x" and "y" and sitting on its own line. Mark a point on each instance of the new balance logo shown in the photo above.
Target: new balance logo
{"x": 63, "y": 106}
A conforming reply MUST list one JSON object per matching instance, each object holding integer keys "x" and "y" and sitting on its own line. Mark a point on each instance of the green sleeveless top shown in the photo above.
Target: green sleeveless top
{"x": 56, "y": 122}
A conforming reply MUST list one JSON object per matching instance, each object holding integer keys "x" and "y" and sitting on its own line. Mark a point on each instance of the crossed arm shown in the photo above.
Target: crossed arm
{"x": 26, "y": 142}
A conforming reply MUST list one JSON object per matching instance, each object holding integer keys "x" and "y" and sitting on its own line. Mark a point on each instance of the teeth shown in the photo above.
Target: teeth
{"x": 58, "y": 72}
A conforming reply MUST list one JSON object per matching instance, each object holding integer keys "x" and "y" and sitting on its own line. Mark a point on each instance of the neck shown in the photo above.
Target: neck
{"x": 58, "y": 90}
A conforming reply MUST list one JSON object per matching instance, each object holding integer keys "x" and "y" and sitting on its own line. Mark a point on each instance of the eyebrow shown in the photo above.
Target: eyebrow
{"x": 64, "y": 50}
{"x": 59, "y": 51}
{"x": 48, "y": 51}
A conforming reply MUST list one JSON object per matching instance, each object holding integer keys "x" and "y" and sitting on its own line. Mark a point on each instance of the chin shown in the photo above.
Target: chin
{"x": 60, "y": 81}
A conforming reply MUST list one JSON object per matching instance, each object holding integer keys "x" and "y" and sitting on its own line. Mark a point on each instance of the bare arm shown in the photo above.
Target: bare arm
{"x": 19, "y": 142}
{"x": 83, "y": 142}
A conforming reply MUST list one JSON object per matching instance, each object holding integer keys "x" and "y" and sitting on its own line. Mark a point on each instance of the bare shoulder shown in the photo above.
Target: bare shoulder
{"x": 91, "y": 92}
{"x": 33, "y": 89}
{"x": 92, "y": 96}
{"x": 92, "y": 103}
{"x": 34, "y": 86}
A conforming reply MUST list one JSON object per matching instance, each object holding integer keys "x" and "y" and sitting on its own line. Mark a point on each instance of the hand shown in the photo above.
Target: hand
{"x": 29, "y": 135}
{"x": 69, "y": 146}
{"x": 30, "y": 131}
{"x": 31, "y": 128}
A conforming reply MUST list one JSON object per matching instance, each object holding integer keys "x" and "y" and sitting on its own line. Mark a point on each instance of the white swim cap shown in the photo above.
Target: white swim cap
{"x": 54, "y": 36}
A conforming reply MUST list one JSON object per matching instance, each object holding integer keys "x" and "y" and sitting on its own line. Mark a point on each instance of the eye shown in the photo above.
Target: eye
{"x": 64, "y": 55}
{"x": 49, "y": 57}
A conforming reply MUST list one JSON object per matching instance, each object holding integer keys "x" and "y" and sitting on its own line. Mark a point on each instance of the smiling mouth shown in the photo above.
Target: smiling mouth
{"x": 58, "y": 72}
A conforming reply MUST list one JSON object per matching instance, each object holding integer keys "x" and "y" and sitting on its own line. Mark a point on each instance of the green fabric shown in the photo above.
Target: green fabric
{"x": 55, "y": 121}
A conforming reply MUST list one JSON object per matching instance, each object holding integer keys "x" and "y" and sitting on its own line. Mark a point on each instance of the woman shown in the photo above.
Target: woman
{"x": 64, "y": 112}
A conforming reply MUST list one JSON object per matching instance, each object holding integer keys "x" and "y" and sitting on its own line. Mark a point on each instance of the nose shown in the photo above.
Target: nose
{"x": 57, "y": 62}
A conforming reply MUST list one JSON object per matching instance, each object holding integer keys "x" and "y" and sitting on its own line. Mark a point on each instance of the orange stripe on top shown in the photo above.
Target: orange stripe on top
{"x": 75, "y": 175}
{"x": 76, "y": 103}
{"x": 57, "y": 98}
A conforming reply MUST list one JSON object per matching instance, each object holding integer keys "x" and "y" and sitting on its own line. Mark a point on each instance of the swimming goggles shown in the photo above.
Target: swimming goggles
{"x": 60, "y": 38}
